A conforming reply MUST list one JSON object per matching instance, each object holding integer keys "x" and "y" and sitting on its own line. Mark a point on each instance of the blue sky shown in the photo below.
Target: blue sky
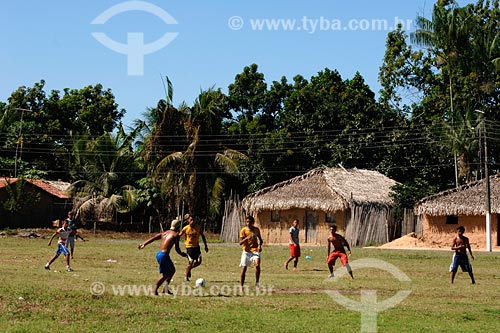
{"x": 213, "y": 40}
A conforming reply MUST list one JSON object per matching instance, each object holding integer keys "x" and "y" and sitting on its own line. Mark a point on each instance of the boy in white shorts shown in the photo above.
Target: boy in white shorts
{"x": 251, "y": 243}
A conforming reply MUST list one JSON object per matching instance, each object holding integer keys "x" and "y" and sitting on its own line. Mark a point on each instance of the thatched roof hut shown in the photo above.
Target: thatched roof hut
{"x": 441, "y": 213}
{"x": 359, "y": 199}
{"x": 325, "y": 189}
{"x": 468, "y": 200}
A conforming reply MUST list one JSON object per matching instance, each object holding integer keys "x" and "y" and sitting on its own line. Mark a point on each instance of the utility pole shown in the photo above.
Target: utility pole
{"x": 487, "y": 182}
{"x": 453, "y": 126}
{"x": 488, "y": 193}
{"x": 19, "y": 139}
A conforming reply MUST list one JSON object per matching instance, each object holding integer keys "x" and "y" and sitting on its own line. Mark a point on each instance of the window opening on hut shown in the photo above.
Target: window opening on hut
{"x": 452, "y": 219}
{"x": 275, "y": 216}
{"x": 330, "y": 217}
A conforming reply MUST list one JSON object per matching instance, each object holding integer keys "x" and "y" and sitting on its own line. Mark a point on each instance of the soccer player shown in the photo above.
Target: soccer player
{"x": 63, "y": 233}
{"x": 460, "y": 245}
{"x": 74, "y": 234}
{"x": 192, "y": 233}
{"x": 251, "y": 243}
{"x": 294, "y": 245}
{"x": 338, "y": 242}
{"x": 167, "y": 239}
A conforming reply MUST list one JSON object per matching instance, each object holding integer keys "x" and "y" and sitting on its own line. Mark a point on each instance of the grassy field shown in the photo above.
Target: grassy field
{"x": 108, "y": 291}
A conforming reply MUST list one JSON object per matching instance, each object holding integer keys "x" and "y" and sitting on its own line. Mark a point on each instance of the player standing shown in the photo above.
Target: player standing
{"x": 338, "y": 242}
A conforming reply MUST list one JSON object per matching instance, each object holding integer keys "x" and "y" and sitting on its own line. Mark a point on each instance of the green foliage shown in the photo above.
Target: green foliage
{"x": 91, "y": 109}
{"x": 187, "y": 162}
{"x": 107, "y": 167}
{"x": 18, "y": 197}
{"x": 247, "y": 93}
{"x": 408, "y": 194}
{"x": 39, "y": 125}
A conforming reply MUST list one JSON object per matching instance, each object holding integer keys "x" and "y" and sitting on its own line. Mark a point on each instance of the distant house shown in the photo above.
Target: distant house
{"x": 357, "y": 201}
{"x": 442, "y": 213}
{"x": 53, "y": 203}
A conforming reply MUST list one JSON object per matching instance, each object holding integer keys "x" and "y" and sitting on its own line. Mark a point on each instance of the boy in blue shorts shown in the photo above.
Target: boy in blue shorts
{"x": 167, "y": 239}
{"x": 63, "y": 233}
{"x": 460, "y": 245}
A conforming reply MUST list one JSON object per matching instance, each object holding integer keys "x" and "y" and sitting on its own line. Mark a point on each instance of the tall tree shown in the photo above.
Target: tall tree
{"x": 247, "y": 93}
{"x": 460, "y": 39}
{"x": 39, "y": 126}
{"x": 199, "y": 168}
{"x": 109, "y": 170}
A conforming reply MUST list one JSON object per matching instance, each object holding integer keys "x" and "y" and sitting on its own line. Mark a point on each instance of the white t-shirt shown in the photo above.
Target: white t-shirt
{"x": 295, "y": 235}
{"x": 63, "y": 235}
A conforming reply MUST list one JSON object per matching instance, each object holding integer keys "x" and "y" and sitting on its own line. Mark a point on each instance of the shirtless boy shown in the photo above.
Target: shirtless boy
{"x": 338, "y": 242}
{"x": 460, "y": 245}
{"x": 167, "y": 239}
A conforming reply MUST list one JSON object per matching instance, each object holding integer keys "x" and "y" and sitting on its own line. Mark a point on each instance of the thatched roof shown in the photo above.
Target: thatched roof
{"x": 468, "y": 200}
{"x": 324, "y": 189}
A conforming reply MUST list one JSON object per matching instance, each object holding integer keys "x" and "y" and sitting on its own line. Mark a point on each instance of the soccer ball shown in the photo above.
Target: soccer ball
{"x": 200, "y": 283}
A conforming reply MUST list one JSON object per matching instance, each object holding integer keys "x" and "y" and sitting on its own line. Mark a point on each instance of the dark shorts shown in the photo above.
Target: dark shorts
{"x": 462, "y": 260}
{"x": 70, "y": 242}
{"x": 294, "y": 250}
{"x": 194, "y": 253}
{"x": 166, "y": 265}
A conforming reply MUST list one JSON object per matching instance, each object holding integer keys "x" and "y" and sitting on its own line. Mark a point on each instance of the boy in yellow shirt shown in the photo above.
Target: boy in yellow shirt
{"x": 251, "y": 243}
{"x": 192, "y": 233}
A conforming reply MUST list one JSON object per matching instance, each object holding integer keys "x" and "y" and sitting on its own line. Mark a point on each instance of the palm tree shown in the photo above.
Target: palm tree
{"x": 107, "y": 166}
{"x": 195, "y": 175}
{"x": 163, "y": 133}
{"x": 447, "y": 36}
{"x": 463, "y": 142}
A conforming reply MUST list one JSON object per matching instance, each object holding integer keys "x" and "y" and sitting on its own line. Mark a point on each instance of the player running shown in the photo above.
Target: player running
{"x": 192, "y": 233}
{"x": 63, "y": 233}
{"x": 167, "y": 239}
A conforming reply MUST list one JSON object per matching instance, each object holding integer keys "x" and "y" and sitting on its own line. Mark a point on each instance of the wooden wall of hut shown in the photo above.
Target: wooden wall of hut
{"x": 411, "y": 223}
{"x": 369, "y": 224}
{"x": 232, "y": 221}
{"x": 276, "y": 232}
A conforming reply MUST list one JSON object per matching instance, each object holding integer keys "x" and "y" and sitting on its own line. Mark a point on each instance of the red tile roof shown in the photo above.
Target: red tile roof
{"x": 56, "y": 188}
{"x": 5, "y": 181}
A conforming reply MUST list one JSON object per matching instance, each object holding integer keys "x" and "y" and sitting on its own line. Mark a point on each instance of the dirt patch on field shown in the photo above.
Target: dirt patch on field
{"x": 414, "y": 241}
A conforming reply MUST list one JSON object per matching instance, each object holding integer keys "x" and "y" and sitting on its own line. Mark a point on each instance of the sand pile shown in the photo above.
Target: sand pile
{"x": 413, "y": 241}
